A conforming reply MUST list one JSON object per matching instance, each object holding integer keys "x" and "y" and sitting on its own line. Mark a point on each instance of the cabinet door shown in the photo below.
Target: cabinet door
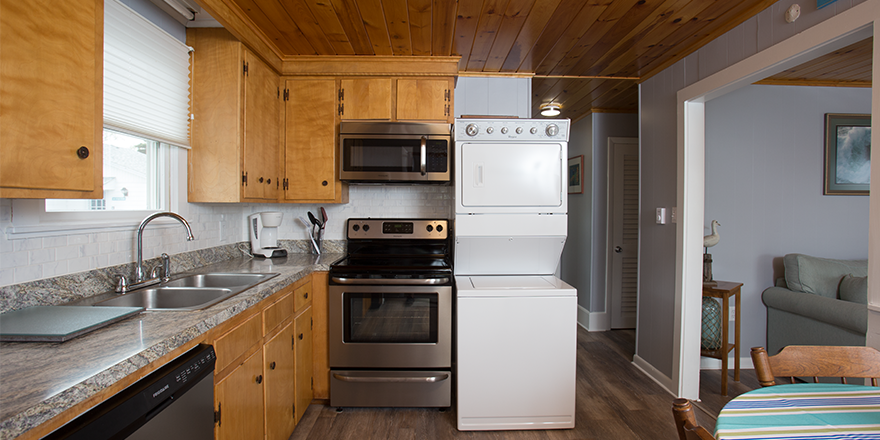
{"x": 303, "y": 353}
{"x": 320, "y": 340}
{"x": 262, "y": 130}
{"x": 51, "y": 98}
{"x": 278, "y": 364}
{"x": 310, "y": 141}
{"x": 366, "y": 98}
{"x": 424, "y": 99}
{"x": 239, "y": 400}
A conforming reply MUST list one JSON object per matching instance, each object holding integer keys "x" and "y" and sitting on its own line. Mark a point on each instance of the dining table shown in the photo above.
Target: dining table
{"x": 802, "y": 411}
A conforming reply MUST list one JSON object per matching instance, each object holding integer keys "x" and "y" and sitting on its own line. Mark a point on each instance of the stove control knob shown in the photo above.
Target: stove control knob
{"x": 518, "y": 130}
{"x": 490, "y": 130}
{"x": 533, "y": 130}
{"x": 503, "y": 130}
{"x": 472, "y": 129}
{"x": 552, "y": 130}
{"x": 430, "y": 228}
{"x": 356, "y": 228}
{"x": 366, "y": 228}
{"x": 439, "y": 228}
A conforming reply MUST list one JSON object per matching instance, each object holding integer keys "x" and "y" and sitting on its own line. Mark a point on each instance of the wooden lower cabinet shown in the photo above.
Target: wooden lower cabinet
{"x": 278, "y": 364}
{"x": 303, "y": 349}
{"x": 238, "y": 399}
{"x": 263, "y": 376}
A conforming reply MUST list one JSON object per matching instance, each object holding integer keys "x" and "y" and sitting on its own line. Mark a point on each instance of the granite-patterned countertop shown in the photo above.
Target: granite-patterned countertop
{"x": 40, "y": 380}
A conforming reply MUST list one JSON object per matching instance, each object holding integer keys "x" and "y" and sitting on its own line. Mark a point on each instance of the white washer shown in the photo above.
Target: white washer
{"x": 517, "y": 341}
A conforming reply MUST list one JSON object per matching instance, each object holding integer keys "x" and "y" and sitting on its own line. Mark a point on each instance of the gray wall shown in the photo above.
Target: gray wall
{"x": 493, "y": 96}
{"x": 659, "y": 172}
{"x": 764, "y": 174}
{"x": 583, "y": 260}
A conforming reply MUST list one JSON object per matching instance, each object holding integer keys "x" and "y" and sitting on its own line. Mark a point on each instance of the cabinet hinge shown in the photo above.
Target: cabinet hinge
{"x": 446, "y": 110}
{"x": 278, "y": 89}
{"x": 341, "y": 109}
{"x": 287, "y": 94}
{"x": 244, "y": 178}
{"x": 294, "y": 410}
{"x": 217, "y": 414}
{"x": 341, "y": 94}
{"x": 292, "y": 341}
{"x": 446, "y": 96}
{"x": 313, "y": 383}
{"x": 285, "y": 185}
{"x": 312, "y": 324}
{"x": 244, "y": 68}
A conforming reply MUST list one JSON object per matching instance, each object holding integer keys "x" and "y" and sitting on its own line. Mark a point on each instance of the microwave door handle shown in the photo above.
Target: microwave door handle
{"x": 424, "y": 159}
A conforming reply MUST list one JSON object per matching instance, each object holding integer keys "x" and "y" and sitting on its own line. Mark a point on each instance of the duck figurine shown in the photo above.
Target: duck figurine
{"x": 712, "y": 239}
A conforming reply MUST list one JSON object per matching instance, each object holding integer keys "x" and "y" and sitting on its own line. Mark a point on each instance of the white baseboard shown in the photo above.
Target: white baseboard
{"x": 593, "y": 322}
{"x": 745, "y": 363}
{"x": 653, "y": 373}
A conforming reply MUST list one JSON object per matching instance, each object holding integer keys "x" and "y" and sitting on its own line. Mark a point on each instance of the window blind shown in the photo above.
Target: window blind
{"x": 146, "y": 78}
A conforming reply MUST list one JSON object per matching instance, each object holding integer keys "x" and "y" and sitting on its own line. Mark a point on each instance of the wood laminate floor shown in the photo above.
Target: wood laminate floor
{"x": 615, "y": 400}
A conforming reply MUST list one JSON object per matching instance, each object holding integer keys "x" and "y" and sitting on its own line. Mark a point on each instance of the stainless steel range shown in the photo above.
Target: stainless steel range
{"x": 391, "y": 315}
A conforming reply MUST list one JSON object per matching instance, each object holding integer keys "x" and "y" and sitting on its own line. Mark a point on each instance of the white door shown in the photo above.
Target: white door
{"x": 511, "y": 175}
{"x": 623, "y": 225}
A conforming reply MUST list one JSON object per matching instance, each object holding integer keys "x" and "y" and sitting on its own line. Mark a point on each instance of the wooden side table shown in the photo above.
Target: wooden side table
{"x": 724, "y": 290}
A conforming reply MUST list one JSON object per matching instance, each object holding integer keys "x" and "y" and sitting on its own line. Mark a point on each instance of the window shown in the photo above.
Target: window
{"x": 146, "y": 105}
{"x": 146, "y": 129}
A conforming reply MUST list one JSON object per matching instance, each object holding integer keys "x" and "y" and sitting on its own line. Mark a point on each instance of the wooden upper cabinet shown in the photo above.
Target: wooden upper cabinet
{"x": 236, "y": 128}
{"x": 369, "y": 98}
{"x": 262, "y": 130}
{"x": 424, "y": 99}
{"x": 310, "y": 142}
{"x": 51, "y": 108}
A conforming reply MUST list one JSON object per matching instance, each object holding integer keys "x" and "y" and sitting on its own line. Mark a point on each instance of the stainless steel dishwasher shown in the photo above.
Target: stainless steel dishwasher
{"x": 174, "y": 402}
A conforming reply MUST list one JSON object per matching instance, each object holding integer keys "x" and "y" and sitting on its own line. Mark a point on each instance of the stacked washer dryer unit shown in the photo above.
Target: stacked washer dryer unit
{"x": 516, "y": 321}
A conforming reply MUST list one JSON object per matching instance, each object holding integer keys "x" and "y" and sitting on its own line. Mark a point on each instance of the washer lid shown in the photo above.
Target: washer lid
{"x": 504, "y": 282}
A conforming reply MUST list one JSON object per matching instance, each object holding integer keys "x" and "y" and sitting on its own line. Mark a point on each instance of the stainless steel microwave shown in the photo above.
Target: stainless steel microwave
{"x": 395, "y": 152}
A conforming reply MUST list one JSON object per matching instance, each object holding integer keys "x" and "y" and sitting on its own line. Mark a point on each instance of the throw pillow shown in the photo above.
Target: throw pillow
{"x": 820, "y": 276}
{"x": 854, "y": 289}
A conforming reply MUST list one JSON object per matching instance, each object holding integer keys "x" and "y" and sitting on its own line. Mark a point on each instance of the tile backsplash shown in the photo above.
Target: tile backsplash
{"x": 49, "y": 255}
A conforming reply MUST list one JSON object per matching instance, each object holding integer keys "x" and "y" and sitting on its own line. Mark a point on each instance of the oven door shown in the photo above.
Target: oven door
{"x": 390, "y": 326}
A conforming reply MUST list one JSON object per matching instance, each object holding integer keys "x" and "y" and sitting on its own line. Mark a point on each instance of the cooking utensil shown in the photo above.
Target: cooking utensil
{"x": 324, "y": 217}
{"x": 315, "y": 220}
{"x": 310, "y": 228}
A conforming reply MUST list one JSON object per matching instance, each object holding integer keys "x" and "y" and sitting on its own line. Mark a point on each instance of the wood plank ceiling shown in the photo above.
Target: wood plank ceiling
{"x": 586, "y": 55}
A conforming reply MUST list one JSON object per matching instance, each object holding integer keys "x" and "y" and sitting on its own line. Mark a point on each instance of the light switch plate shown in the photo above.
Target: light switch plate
{"x": 661, "y": 216}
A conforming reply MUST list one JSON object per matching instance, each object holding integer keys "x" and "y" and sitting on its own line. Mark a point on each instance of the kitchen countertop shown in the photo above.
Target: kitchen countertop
{"x": 40, "y": 380}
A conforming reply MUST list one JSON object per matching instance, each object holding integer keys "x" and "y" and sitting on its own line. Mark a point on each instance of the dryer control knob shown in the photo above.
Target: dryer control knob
{"x": 472, "y": 129}
{"x": 503, "y": 130}
{"x": 490, "y": 130}
{"x": 552, "y": 130}
{"x": 533, "y": 130}
{"x": 518, "y": 130}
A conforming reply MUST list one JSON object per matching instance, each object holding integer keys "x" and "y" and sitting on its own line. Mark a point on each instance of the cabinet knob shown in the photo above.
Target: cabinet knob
{"x": 306, "y": 295}
{"x": 300, "y": 336}
{"x": 261, "y": 180}
{"x": 324, "y": 183}
{"x": 82, "y": 152}
{"x": 269, "y": 181}
{"x": 272, "y": 366}
{"x": 260, "y": 379}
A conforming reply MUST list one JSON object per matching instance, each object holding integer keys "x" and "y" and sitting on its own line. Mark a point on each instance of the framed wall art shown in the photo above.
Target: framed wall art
{"x": 576, "y": 175}
{"x": 847, "y": 154}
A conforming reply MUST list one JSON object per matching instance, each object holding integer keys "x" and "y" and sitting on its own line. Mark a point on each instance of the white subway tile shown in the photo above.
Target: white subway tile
{"x": 27, "y": 273}
{"x": 41, "y": 256}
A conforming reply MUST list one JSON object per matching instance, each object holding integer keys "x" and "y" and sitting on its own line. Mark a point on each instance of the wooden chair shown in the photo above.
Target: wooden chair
{"x": 816, "y": 361}
{"x": 686, "y": 422}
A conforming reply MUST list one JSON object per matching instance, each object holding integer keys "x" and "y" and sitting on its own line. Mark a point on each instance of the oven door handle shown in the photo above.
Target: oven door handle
{"x": 424, "y": 154}
{"x": 387, "y": 282}
{"x": 432, "y": 378}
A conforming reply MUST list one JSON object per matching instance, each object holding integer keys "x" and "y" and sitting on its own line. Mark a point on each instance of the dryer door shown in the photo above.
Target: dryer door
{"x": 512, "y": 175}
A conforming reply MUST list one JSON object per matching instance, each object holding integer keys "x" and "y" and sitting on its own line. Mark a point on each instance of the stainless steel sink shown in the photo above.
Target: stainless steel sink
{"x": 224, "y": 280}
{"x": 190, "y": 292}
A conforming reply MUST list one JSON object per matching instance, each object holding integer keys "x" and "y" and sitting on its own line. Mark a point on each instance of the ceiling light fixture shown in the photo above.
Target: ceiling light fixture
{"x": 550, "y": 109}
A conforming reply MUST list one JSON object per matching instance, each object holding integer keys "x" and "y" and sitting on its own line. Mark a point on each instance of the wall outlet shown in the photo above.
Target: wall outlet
{"x": 674, "y": 215}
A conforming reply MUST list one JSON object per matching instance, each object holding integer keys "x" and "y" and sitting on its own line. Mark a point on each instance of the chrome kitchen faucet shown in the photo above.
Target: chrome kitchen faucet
{"x": 139, "y": 276}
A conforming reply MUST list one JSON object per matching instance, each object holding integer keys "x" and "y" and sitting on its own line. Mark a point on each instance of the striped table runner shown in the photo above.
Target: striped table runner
{"x": 802, "y": 411}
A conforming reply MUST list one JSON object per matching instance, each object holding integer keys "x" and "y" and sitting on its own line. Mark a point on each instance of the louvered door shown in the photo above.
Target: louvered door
{"x": 624, "y": 231}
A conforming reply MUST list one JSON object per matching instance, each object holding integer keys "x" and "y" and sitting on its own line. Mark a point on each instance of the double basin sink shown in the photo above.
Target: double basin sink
{"x": 190, "y": 292}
